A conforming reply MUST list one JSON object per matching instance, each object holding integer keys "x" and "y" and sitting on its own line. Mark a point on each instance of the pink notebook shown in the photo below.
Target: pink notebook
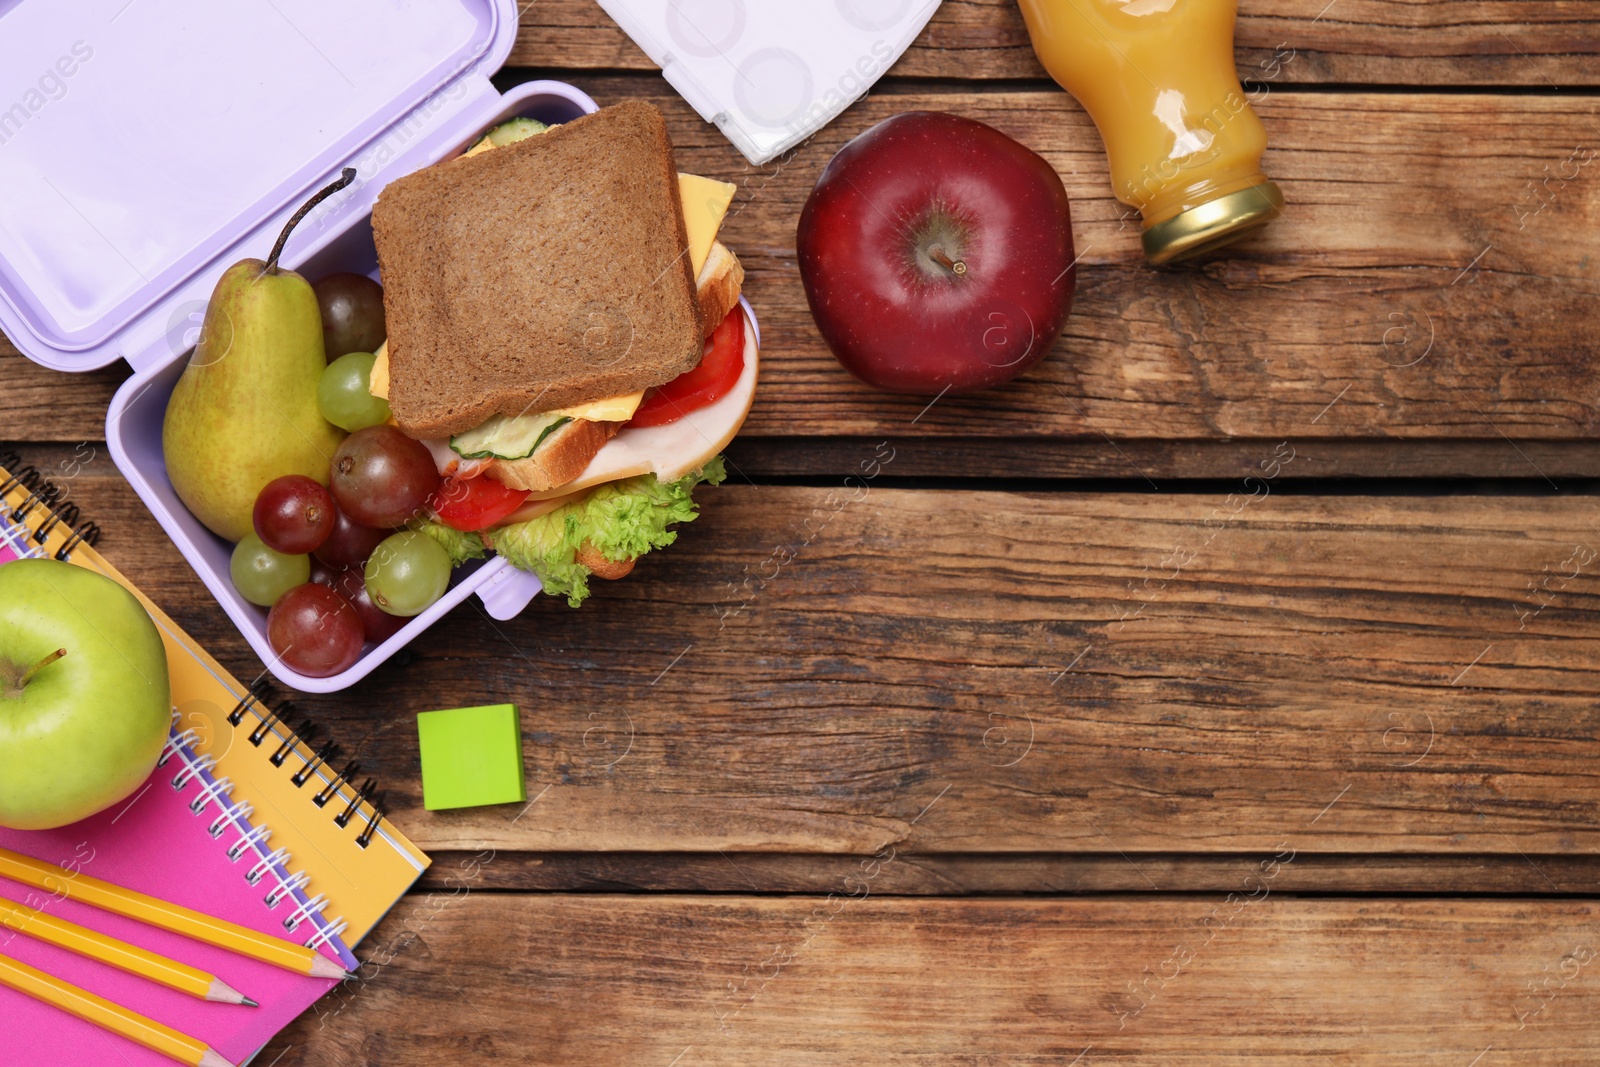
{"x": 153, "y": 843}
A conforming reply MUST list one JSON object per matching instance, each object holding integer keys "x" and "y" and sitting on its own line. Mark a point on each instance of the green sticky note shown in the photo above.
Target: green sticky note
{"x": 471, "y": 757}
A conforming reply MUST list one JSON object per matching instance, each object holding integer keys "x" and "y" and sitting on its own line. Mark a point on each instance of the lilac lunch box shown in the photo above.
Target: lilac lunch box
{"x": 156, "y": 142}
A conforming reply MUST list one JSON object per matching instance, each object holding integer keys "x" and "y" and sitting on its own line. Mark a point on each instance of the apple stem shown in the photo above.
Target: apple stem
{"x": 41, "y": 665}
{"x": 345, "y": 178}
{"x": 956, "y": 267}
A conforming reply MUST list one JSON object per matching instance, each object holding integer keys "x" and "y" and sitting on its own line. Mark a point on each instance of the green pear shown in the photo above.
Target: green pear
{"x": 245, "y": 410}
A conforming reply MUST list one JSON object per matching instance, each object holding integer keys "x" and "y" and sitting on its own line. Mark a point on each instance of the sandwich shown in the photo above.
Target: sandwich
{"x": 565, "y": 335}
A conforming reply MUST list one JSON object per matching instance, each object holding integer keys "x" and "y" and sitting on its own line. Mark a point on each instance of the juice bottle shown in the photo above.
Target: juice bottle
{"x": 1157, "y": 77}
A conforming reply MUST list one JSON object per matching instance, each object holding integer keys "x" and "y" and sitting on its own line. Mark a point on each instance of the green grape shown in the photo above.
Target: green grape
{"x": 343, "y": 393}
{"x": 407, "y": 573}
{"x": 262, "y": 575}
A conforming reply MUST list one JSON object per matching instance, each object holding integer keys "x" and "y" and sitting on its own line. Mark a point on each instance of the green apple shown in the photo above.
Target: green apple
{"x": 85, "y": 704}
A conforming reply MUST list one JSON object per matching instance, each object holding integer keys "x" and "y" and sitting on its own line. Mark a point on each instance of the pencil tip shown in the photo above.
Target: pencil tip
{"x": 323, "y": 967}
{"x": 223, "y": 993}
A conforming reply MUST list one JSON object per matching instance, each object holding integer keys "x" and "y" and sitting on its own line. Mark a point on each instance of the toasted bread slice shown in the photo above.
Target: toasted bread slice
{"x": 718, "y": 287}
{"x": 717, "y": 291}
{"x": 559, "y": 459}
{"x": 542, "y": 275}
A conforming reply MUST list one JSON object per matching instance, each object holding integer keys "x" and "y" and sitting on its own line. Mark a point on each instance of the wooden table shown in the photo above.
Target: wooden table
{"x": 1223, "y": 691}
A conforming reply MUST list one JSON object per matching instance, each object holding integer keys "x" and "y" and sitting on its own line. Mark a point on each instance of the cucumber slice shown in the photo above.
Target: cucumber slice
{"x": 514, "y": 131}
{"x": 507, "y": 436}
{"x": 510, "y": 133}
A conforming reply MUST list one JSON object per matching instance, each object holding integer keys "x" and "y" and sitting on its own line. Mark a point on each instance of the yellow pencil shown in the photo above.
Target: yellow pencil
{"x": 119, "y": 954}
{"x": 174, "y": 917}
{"x": 31, "y": 982}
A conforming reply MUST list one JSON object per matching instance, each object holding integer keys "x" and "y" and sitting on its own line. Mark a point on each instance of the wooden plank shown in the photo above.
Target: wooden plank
{"x": 1398, "y": 298}
{"x": 1132, "y": 460}
{"x": 924, "y": 874}
{"x": 38, "y": 404}
{"x": 1006, "y": 672}
{"x": 1446, "y": 42}
{"x": 852, "y": 979}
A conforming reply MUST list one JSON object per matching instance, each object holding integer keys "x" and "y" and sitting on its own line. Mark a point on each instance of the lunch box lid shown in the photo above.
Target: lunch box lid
{"x": 146, "y": 145}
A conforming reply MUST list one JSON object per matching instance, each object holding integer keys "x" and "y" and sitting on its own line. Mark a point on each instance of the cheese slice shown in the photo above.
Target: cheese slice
{"x": 705, "y": 205}
{"x": 611, "y": 409}
{"x": 378, "y": 378}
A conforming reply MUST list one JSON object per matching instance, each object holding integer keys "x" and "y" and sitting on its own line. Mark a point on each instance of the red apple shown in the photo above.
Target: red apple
{"x": 937, "y": 255}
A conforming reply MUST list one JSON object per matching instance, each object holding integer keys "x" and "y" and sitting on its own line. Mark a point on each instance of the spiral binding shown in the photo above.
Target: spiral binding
{"x": 293, "y": 737}
{"x": 46, "y": 496}
{"x": 254, "y": 836}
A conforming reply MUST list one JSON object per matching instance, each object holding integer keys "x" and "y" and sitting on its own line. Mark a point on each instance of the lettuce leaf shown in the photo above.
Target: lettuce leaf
{"x": 461, "y": 546}
{"x": 622, "y": 520}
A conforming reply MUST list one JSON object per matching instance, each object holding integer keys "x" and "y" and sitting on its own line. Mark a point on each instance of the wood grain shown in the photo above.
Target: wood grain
{"x": 853, "y": 979}
{"x": 1131, "y": 460}
{"x": 946, "y": 875}
{"x": 39, "y": 404}
{"x": 1397, "y": 299}
{"x": 1445, "y": 42}
{"x": 1017, "y": 672}
{"x": 932, "y": 712}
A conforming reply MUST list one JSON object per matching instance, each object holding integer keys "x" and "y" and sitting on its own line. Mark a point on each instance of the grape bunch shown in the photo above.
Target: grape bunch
{"x": 332, "y": 562}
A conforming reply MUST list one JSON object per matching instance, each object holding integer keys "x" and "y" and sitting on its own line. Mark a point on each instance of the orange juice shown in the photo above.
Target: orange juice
{"x": 1157, "y": 77}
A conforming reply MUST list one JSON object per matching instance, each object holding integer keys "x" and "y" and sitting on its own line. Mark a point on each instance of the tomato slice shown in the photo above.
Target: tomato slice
{"x": 720, "y": 367}
{"x": 469, "y": 504}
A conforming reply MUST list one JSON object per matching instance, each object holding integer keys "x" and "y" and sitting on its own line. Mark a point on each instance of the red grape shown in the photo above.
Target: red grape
{"x": 293, "y": 515}
{"x": 351, "y": 584}
{"x": 315, "y": 631}
{"x": 378, "y": 624}
{"x": 352, "y": 314}
{"x": 350, "y": 543}
{"x": 381, "y": 477}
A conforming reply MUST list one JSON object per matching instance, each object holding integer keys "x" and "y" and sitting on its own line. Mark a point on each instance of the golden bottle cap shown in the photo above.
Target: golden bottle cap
{"x": 1212, "y": 224}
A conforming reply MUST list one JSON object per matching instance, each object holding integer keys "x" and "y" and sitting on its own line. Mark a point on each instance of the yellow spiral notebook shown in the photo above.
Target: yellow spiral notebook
{"x": 290, "y": 803}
